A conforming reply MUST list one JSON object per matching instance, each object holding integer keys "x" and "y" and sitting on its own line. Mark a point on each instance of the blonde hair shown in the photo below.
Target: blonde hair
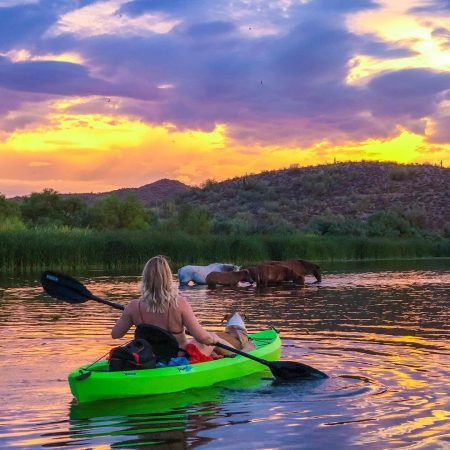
{"x": 157, "y": 289}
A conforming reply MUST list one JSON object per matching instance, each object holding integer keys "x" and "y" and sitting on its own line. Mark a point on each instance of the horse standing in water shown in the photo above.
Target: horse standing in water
{"x": 198, "y": 274}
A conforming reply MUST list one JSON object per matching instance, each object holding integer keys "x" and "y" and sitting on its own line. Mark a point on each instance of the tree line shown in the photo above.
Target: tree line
{"x": 49, "y": 209}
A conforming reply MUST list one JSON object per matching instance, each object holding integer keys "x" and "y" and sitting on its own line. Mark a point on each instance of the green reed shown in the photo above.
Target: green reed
{"x": 63, "y": 249}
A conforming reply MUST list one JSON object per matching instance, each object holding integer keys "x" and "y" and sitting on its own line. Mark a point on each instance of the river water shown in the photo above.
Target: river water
{"x": 380, "y": 330}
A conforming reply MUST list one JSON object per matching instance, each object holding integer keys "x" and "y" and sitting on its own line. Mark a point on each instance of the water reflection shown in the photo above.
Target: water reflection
{"x": 380, "y": 333}
{"x": 171, "y": 421}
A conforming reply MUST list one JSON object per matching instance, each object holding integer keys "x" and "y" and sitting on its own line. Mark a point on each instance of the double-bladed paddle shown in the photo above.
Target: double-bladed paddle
{"x": 63, "y": 287}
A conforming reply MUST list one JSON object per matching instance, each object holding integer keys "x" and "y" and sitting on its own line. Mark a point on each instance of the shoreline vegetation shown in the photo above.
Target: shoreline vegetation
{"x": 67, "y": 249}
{"x": 345, "y": 211}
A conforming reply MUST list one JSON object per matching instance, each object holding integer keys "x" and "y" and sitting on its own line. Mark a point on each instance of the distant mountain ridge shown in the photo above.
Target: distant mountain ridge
{"x": 148, "y": 194}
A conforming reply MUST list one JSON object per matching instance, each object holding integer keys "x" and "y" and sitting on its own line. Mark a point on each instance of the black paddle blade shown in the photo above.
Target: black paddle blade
{"x": 63, "y": 287}
{"x": 291, "y": 370}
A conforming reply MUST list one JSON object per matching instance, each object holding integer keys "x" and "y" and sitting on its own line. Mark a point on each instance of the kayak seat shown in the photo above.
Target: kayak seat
{"x": 164, "y": 343}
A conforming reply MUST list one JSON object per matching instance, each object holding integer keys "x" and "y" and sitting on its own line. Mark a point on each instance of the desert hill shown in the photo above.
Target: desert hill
{"x": 294, "y": 198}
{"x": 340, "y": 198}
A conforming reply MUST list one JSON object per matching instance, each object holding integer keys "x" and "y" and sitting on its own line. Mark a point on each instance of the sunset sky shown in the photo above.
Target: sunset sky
{"x": 98, "y": 95}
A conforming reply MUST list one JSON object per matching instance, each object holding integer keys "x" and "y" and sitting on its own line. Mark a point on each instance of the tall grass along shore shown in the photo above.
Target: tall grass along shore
{"x": 62, "y": 249}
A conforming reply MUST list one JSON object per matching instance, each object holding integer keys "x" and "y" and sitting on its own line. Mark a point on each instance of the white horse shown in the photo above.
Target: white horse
{"x": 198, "y": 274}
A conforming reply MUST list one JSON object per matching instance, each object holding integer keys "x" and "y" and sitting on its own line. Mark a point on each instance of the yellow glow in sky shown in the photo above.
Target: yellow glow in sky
{"x": 88, "y": 131}
{"x": 91, "y": 153}
{"x": 402, "y": 149}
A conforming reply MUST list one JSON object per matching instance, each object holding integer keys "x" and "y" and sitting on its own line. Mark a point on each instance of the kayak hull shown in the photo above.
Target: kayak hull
{"x": 97, "y": 383}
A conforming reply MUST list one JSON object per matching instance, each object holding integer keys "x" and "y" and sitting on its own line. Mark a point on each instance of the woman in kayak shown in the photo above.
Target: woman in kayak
{"x": 162, "y": 305}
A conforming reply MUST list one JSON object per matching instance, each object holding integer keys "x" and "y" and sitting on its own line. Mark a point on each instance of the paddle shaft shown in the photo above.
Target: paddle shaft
{"x": 106, "y": 302}
{"x": 246, "y": 355}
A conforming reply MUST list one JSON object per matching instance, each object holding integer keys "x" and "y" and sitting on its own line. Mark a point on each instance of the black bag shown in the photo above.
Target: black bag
{"x": 137, "y": 354}
{"x": 164, "y": 343}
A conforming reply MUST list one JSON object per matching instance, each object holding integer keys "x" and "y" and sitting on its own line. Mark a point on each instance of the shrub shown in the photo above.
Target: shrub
{"x": 12, "y": 223}
{"x": 194, "y": 220}
{"x": 388, "y": 224}
{"x": 243, "y": 223}
{"x": 209, "y": 184}
{"x": 48, "y": 208}
{"x": 112, "y": 213}
{"x": 400, "y": 173}
{"x": 9, "y": 215}
{"x": 417, "y": 217}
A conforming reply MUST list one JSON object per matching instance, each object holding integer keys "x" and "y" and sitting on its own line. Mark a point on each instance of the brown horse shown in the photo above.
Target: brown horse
{"x": 228, "y": 278}
{"x": 301, "y": 268}
{"x": 265, "y": 274}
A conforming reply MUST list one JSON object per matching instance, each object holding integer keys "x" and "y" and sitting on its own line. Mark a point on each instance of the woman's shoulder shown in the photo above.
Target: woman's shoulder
{"x": 133, "y": 305}
{"x": 182, "y": 302}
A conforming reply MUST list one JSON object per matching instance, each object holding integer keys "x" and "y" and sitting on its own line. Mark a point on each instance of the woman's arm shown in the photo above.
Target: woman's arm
{"x": 192, "y": 324}
{"x": 123, "y": 324}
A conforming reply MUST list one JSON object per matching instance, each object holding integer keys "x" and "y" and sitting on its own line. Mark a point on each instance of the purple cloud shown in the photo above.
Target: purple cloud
{"x": 432, "y": 6}
{"x": 22, "y": 25}
{"x": 441, "y": 133}
{"x": 139, "y": 7}
{"x": 62, "y": 78}
{"x": 413, "y": 93}
{"x": 275, "y": 75}
{"x": 211, "y": 29}
{"x": 443, "y": 34}
{"x": 384, "y": 50}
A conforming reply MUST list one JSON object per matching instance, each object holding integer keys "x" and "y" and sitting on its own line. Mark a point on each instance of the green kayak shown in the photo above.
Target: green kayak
{"x": 96, "y": 382}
